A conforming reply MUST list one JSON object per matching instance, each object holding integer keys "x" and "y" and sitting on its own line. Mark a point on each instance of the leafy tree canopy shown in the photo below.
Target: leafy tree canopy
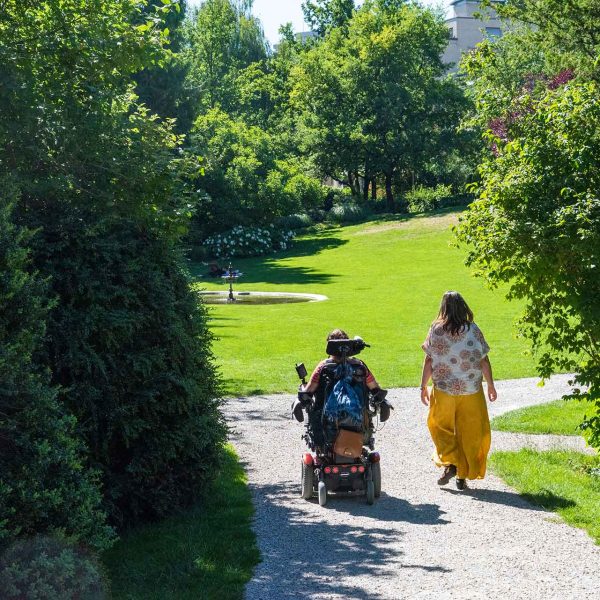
{"x": 373, "y": 100}
{"x": 324, "y": 15}
{"x": 224, "y": 37}
{"x": 536, "y": 225}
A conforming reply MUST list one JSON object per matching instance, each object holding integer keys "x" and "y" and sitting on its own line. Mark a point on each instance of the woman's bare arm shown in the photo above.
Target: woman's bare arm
{"x": 486, "y": 369}
{"x": 425, "y": 377}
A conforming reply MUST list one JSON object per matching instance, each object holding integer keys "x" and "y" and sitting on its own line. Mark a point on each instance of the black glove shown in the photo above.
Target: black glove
{"x": 304, "y": 398}
{"x": 378, "y": 396}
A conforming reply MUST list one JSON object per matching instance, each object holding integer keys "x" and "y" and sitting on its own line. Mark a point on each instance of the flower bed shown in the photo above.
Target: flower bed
{"x": 248, "y": 241}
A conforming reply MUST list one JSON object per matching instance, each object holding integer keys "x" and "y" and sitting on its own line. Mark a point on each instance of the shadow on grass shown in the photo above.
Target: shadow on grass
{"x": 317, "y": 558}
{"x": 270, "y": 270}
{"x": 545, "y": 500}
{"x": 208, "y": 551}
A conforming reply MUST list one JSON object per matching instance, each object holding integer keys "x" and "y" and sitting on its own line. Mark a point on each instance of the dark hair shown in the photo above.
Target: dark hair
{"x": 454, "y": 313}
{"x": 337, "y": 334}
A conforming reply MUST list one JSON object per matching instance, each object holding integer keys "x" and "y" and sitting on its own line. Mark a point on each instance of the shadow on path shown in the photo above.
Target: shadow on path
{"x": 387, "y": 508}
{"x": 321, "y": 556}
{"x": 546, "y": 500}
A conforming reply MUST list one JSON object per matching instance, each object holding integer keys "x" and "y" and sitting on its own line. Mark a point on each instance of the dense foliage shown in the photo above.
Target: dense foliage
{"x": 44, "y": 486}
{"x": 324, "y": 15}
{"x": 372, "y": 100}
{"x": 536, "y": 225}
{"x": 104, "y": 182}
{"x": 44, "y": 568}
{"x": 245, "y": 177}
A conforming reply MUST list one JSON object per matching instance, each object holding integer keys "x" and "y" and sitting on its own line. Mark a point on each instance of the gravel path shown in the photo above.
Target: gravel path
{"x": 417, "y": 540}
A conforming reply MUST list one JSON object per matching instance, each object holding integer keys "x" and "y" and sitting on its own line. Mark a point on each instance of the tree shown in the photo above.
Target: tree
{"x": 324, "y": 15}
{"x": 44, "y": 487}
{"x": 224, "y": 38}
{"x": 246, "y": 175}
{"x": 565, "y": 26}
{"x": 373, "y": 101}
{"x": 106, "y": 184}
{"x": 163, "y": 87}
{"x": 536, "y": 226}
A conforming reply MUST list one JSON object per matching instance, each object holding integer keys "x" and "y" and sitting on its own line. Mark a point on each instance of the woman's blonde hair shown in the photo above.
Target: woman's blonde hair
{"x": 454, "y": 313}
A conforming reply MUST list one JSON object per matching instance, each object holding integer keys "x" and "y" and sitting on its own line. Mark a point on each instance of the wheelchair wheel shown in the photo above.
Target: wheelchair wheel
{"x": 307, "y": 481}
{"x": 376, "y": 474}
{"x": 322, "y": 493}
{"x": 370, "y": 492}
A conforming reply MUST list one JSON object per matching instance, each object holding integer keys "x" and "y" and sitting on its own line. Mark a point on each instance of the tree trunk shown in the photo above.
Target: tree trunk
{"x": 366, "y": 188}
{"x": 373, "y": 189}
{"x": 389, "y": 196}
{"x": 351, "y": 183}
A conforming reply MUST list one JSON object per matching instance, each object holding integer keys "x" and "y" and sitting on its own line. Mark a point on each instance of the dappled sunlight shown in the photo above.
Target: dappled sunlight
{"x": 416, "y": 223}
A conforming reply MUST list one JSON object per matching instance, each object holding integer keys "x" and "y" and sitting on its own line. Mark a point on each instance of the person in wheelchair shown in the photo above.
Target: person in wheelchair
{"x": 314, "y": 395}
{"x": 341, "y": 400}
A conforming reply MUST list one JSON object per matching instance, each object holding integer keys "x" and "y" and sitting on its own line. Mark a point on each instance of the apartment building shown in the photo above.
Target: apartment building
{"x": 468, "y": 24}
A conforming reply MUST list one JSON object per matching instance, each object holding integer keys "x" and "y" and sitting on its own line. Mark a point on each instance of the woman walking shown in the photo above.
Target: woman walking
{"x": 456, "y": 359}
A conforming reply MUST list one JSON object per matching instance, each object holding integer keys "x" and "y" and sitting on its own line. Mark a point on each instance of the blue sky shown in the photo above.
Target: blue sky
{"x": 274, "y": 13}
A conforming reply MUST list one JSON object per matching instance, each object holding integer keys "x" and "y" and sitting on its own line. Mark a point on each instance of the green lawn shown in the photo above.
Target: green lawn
{"x": 560, "y": 417}
{"x": 208, "y": 552}
{"x": 567, "y": 483}
{"x": 384, "y": 280}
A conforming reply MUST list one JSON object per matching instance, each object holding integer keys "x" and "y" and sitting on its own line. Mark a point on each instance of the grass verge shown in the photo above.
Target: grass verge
{"x": 207, "y": 552}
{"x": 561, "y": 417}
{"x": 564, "y": 482}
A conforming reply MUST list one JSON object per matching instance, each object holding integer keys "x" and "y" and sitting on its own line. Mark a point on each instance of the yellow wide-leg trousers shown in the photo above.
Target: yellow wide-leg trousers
{"x": 460, "y": 429}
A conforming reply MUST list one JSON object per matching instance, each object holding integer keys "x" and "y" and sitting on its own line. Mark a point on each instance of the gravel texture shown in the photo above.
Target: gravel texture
{"x": 418, "y": 540}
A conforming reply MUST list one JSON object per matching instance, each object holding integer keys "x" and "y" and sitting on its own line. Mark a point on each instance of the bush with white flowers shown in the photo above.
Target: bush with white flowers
{"x": 248, "y": 241}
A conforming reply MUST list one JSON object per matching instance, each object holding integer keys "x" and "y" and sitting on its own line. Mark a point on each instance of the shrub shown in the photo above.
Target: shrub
{"x": 129, "y": 345}
{"x": 535, "y": 227}
{"x": 106, "y": 184}
{"x": 348, "y": 212}
{"x": 46, "y": 568}
{"x": 423, "y": 199}
{"x": 43, "y": 485}
{"x": 248, "y": 241}
{"x": 303, "y": 191}
{"x": 298, "y": 221}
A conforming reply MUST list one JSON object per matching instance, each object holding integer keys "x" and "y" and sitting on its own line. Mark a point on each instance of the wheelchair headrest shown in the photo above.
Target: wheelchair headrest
{"x": 346, "y": 347}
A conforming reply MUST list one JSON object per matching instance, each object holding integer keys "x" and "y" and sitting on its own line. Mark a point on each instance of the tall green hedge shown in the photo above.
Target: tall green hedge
{"x": 43, "y": 484}
{"x": 103, "y": 182}
{"x": 129, "y": 348}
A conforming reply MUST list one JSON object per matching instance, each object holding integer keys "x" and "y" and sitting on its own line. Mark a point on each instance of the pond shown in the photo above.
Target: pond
{"x": 253, "y": 298}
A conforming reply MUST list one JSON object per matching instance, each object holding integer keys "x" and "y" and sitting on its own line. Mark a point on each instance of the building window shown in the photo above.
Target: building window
{"x": 451, "y": 33}
{"x": 493, "y": 32}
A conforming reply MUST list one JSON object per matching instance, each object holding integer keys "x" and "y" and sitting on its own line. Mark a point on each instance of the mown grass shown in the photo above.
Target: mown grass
{"x": 384, "y": 280}
{"x": 565, "y": 482}
{"x": 561, "y": 417}
{"x": 207, "y": 552}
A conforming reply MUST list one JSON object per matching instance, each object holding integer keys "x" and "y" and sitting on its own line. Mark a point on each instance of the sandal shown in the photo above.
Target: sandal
{"x": 461, "y": 484}
{"x": 447, "y": 475}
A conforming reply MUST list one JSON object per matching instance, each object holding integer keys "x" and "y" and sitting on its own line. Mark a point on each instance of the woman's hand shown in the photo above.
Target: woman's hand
{"x": 492, "y": 393}
{"x": 425, "y": 395}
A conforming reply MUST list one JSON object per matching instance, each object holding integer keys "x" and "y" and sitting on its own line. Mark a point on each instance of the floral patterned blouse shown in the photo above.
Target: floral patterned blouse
{"x": 456, "y": 358}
